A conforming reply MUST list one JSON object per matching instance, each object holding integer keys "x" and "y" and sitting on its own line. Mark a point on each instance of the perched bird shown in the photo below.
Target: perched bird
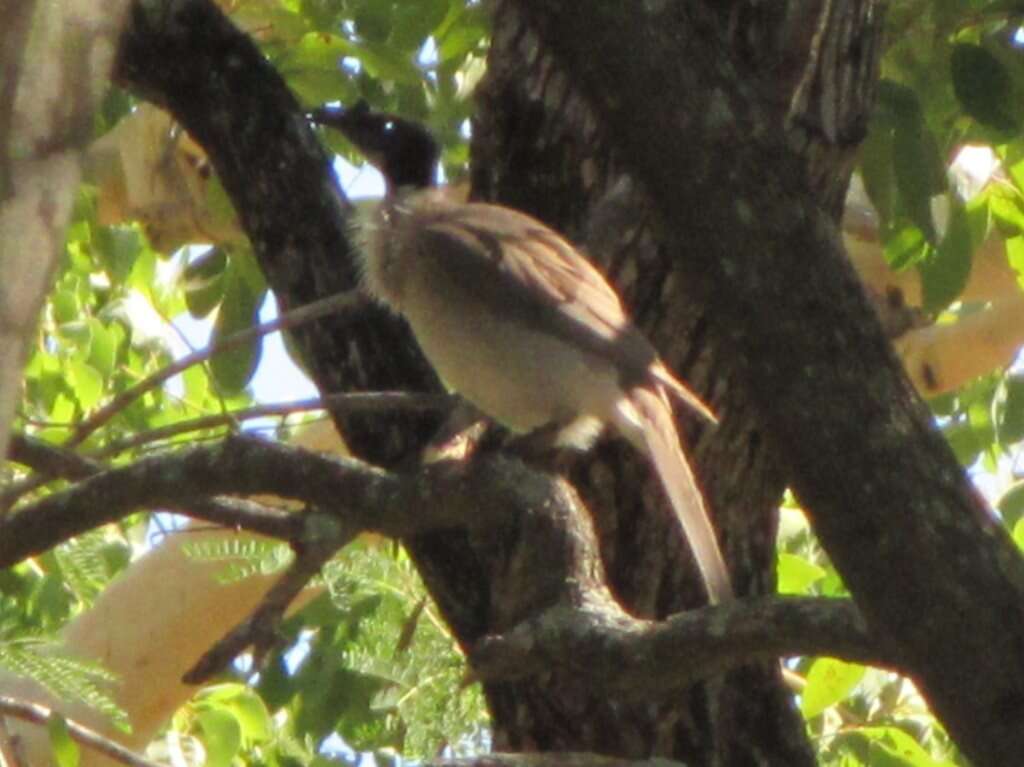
{"x": 515, "y": 320}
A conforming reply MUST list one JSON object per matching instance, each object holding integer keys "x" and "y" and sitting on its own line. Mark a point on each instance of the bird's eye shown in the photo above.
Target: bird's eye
{"x": 389, "y": 126}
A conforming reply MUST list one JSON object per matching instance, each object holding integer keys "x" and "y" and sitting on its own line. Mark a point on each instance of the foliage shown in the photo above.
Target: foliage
{"x": 113, "y": 320}
{"x": 371, "y": 662}
{"x": 64, "y": 677}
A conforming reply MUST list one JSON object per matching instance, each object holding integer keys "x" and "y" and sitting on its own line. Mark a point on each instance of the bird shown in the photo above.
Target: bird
{"x": 516, "y": 320}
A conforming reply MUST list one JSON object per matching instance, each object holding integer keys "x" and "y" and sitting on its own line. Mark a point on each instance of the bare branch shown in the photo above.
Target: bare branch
{"x": 37, "y": 714}
{"x": 331, "y": 305}
{"x": 396, "y": 505}
{"x": 322, "y": 538}
{"x": 361, "y": 402}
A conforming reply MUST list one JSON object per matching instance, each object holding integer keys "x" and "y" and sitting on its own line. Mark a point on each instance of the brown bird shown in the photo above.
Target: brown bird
{"x": 515, "y": 320}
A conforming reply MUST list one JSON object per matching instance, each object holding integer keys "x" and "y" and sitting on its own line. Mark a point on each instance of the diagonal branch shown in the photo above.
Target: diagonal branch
{"x": 290, "y": 319}
{"x": 38, "y": 714}
{"x": 321, "y": 539}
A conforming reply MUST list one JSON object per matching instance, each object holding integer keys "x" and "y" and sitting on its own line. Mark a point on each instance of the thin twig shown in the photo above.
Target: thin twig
{"x": 363, "y": 402}
{"x": 303, "y": 314}
{"x": 38, "y": 714}
{"x": 324, "y": 537}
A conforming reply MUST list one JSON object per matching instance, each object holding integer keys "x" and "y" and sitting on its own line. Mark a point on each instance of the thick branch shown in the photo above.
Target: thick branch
{"x": 926, "y": 562}
{"x": 396, "y": 505}
{"x": 639, "y": 660}
{"x": 622, "y": 654}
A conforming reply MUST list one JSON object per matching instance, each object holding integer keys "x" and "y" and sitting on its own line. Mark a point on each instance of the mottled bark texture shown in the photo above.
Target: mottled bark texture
{"x": 737, "y": 123}
{"x": 538, "y": 145}
{"x": 742, "y": 179}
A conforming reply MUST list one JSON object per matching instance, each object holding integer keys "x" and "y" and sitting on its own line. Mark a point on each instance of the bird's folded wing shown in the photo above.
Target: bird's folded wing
{"x": 536, "y": 268}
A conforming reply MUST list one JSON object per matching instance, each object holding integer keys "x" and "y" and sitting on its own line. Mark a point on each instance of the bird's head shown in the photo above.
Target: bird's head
{"x": 402, "y": 150}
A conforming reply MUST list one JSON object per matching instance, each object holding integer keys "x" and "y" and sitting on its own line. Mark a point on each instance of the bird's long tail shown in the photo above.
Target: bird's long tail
{"x": 645, "y": 418}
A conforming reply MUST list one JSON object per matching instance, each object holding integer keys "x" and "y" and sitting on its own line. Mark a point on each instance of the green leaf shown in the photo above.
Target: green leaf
{"x": 905, "y": 247}
{"x": 414, "y": 21}
{"x": 65, "y": 305}
{"x": 1007, "y": 213}
{"x": 1010, "y": 420}
{"x": 894, "y": 742}
{"x": 276, "y": 685}
{"x": 876, "y": 168}
{"x": 234, "y": 368}
{"x": 463, "y": 30}
{"x": 106, "y": 342}
{"x": 1015, "y": 256}
{"x": 143, "y": 272}
{"x": 324, "y": 15}
{"x": 86, "y": 382}
{"x": 65, "y": 750}
{"x": 1011, "y": 505}
{"x": 373, "y": 20}
{"x": 796, "y": 575}
{"x": 918, "y": 166}
{"x": 246, "y": 706}
{"x": 218, "y": 202}
{"x": 915, "y": 160}
{"x": 63, "y": 410}
{"x": 117, "y": 247}
{"x": 965, "y": 442}
{"x": 983, "y": 87}
{"x": 828, "y": 682}
{"x": 222, "y": 736}
{"x": 248, "y": 268}
{"x": 204, "y": 282}
{"x": 944, "y": 273}
{"x": 1018, "y": 528}
{"x": 385, "y": 63}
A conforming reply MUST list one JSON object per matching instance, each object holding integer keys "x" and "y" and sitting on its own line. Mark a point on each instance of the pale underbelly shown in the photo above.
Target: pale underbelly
{"x": 519, "y": 377}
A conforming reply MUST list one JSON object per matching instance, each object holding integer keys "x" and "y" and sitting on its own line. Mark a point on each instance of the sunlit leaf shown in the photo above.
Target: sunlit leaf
{"x": 796, "y": 575}
{"x": 900, "y": 745}
{"x": 222, "y": 736}
{"x": 86, "y": 382}
{"x": 105, "y": 343}
{"x": 828, "y": 682}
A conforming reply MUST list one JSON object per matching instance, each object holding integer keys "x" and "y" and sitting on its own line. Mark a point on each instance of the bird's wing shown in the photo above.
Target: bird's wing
{"x": 538, "y": 260}
{"x": 550, "y": 274}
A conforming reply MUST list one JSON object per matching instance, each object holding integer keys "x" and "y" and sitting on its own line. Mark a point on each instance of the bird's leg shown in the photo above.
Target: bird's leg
{"x": 540, "y": 447}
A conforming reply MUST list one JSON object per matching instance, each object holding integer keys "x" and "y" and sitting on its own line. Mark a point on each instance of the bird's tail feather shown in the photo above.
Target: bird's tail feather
{"x": 645, "y": 418}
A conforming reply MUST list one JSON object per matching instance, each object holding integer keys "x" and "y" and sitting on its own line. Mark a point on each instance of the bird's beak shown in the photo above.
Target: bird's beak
{"x": 355, "y": 123}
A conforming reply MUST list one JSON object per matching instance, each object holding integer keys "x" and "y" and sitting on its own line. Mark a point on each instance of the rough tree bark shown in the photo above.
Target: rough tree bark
{"x": 739, "y": 121}
{"x": 928, "y": 564}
